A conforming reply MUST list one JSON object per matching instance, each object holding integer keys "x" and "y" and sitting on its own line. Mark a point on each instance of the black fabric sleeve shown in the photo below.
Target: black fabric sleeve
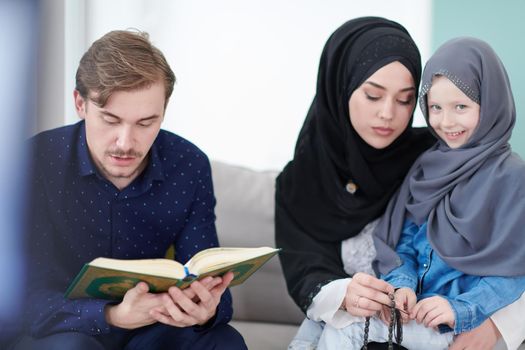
{"x": 308, "y": 264}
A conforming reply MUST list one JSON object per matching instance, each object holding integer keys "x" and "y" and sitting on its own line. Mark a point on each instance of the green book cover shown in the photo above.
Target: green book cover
{"x": 115, "y": 277}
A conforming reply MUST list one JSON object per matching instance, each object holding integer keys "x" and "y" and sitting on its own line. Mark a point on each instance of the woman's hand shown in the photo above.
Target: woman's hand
{"x": 366, "y": 295}
{"x": 483, "y": 337}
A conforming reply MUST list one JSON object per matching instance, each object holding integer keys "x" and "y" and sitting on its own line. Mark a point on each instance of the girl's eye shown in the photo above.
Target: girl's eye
{"x": 435, "y": 108}
{"x": 461, "y": 107}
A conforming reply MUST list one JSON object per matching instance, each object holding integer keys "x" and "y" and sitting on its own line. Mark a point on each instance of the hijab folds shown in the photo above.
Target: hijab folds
{"x": 329, "y": 153}
{"x": 472, "y": 197}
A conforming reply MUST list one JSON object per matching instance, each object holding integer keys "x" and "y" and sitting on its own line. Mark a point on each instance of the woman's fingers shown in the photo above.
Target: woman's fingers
{"x": 366, "y": 295}
{"x": 372, "y": 282}
{"x": 385, "y": 315}
{"x": 355, "y": 311}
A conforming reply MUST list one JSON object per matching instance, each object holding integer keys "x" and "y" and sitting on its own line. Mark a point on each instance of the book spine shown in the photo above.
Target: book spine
{"x": 76, "y": 280}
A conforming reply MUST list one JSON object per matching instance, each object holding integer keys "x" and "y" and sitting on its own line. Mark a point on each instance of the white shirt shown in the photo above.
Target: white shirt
{"x": 357, "y": 254}
{"x": 511, "y": 323}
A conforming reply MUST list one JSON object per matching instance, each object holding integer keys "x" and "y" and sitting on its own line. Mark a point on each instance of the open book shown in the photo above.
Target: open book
{"x": 105, "y": 278}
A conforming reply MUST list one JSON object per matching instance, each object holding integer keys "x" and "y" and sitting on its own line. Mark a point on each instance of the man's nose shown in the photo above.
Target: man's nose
{"x": 125, "y": 139}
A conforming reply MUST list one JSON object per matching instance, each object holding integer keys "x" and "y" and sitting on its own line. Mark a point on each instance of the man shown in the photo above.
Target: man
{"x": 116, "y": 185}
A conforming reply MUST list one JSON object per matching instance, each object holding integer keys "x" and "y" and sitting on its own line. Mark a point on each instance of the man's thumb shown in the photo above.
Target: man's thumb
{"x": 141, "y": 288}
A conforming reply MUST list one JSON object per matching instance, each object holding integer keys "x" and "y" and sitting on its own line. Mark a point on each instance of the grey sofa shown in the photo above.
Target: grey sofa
{"x": 263, "y": 312}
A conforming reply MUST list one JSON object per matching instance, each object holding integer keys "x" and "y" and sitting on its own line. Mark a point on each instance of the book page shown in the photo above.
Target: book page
{"x": 215, "y": 258}
{"x": 156, "y": 267}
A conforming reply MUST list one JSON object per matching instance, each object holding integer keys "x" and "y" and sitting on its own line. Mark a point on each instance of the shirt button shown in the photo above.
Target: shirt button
{"x": 425, "y": 265}
{"x": 351, "y": 187}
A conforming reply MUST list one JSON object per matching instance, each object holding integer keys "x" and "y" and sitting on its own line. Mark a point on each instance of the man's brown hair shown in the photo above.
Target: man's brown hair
{"x": 121, "y": 60}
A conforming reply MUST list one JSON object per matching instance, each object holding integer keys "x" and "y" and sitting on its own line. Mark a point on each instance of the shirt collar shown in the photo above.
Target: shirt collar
{"x": 153, "y": 170}
{"x": 85, "y": 164}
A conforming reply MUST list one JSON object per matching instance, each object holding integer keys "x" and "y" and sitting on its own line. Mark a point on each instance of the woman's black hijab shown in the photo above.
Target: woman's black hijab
{"x": 329, "y": 153}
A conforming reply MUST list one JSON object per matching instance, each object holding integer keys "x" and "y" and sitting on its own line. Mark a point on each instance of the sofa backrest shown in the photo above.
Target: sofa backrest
{"x": 245, "y": 218}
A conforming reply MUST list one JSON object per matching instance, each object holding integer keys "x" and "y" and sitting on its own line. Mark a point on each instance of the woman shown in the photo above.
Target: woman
{"x": 354, "y": 149}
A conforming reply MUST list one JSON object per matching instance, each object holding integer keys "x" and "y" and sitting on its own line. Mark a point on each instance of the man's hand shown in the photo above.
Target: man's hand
{"x": 208, "y": 282}
{"x": 434, "y": 311}
{"x": 195, "y": 305}
{"x": 483, "y": 337}
{"x": 134, "y": 310}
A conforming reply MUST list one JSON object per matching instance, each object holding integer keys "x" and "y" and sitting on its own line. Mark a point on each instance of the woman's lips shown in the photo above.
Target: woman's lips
{"x": 383, "y": 131}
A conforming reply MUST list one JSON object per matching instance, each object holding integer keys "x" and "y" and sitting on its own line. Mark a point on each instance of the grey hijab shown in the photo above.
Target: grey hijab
{"x": 472, "y": 197}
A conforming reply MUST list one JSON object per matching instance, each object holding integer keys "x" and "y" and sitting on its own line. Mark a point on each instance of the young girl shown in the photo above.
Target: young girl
{"x": 456, "y": 223}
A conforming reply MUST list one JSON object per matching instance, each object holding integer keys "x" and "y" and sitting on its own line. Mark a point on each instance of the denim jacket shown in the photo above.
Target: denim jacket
{"x": 473, "y": 298}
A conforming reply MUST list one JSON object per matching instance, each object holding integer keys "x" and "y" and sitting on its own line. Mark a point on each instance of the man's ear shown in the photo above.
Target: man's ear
{"x": 80, "y": 104}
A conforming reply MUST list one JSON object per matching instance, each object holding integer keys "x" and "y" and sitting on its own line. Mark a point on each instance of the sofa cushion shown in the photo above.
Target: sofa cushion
{"x": 265, "y": 336}
{"x": 245, "y": 218}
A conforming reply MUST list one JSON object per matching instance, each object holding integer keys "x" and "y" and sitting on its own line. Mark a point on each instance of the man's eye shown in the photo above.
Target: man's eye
{"x": 146, "y": 124}
{"x": 111, "y": 121}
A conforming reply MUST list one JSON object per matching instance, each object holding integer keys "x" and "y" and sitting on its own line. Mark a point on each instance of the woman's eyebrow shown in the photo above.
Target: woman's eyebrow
{"x": 376, "y": 85}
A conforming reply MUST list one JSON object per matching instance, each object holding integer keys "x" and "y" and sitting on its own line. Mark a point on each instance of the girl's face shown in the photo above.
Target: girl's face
{"x": 451, "y": 113}
{"x": 382, "y": 106}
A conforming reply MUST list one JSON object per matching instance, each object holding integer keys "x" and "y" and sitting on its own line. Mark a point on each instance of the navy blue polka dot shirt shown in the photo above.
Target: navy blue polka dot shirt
{"x": 77, "y": 215}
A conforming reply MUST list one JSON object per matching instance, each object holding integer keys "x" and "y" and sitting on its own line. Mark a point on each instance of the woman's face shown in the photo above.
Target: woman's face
{"x": 381, "y": 107}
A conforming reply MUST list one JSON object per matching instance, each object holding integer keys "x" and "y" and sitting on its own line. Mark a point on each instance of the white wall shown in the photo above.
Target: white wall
{"x": 246, "y": 69}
